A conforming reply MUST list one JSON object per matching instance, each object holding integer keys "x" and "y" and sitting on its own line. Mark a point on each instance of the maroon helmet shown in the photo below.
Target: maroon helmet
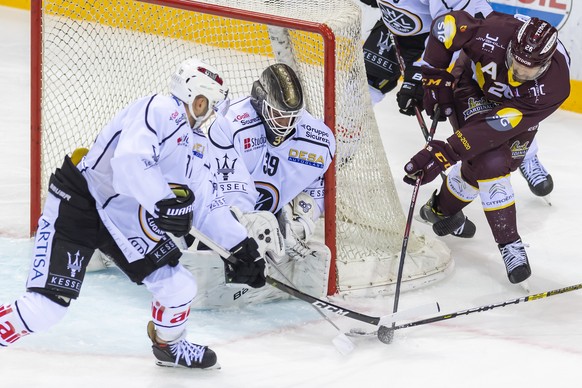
{"x": 530, "y": 51}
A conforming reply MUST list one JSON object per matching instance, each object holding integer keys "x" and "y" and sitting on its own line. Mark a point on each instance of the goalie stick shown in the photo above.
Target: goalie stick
{"x": 523, "y": 299}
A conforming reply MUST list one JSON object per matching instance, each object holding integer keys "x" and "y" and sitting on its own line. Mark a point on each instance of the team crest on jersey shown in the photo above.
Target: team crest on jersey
{"x": 307, "y": 158}
{"x": 400, "y": 21}
{"x": 148, "y": 227}
{"x": 268, "y": 199}
{"x": 505, "y": 119}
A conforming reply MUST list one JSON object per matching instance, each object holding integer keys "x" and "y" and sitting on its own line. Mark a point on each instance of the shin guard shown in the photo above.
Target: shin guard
{"x": 498, "y": 200}
{"x": 173, "y": 289}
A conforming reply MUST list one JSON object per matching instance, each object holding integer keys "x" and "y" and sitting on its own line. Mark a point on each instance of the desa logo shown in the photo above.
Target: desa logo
{"x": 555, "y": 12}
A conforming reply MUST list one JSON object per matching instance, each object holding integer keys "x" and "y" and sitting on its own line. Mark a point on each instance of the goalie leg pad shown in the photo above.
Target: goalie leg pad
{"x": 309, "y": 273}
{"x": 208, "y": 269}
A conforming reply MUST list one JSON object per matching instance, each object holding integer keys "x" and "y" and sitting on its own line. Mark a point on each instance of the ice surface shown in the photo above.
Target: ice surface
{"x": 102, "y": 341}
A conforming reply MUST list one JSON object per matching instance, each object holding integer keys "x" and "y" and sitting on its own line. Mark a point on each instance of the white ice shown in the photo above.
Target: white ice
{"x": 102, "y": 340}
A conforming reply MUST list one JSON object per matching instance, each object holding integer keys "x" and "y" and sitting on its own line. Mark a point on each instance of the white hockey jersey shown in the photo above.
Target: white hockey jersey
{"x": 148, "y": 146}
{"x": 254, "y": 175}
{"x": 414, "y": 17}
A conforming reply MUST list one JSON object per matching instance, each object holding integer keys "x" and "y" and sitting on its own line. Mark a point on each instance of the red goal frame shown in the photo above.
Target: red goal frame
{"x": 329, "y": 47}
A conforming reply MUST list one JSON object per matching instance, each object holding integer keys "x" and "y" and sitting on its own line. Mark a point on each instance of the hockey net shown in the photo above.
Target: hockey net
{"x": 91, "y": 58}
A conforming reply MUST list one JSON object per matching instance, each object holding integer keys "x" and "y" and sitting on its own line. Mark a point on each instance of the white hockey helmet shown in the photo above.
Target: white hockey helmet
{"x": 194, "y": 78}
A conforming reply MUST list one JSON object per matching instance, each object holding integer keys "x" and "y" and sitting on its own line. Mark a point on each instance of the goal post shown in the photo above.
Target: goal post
{"x": 91, "y": 58}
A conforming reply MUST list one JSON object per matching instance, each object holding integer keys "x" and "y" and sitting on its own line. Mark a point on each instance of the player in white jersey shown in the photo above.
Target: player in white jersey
{"x": 147, "y": 174}
{"x": 409, "y": 21}
{"x": 270, "y": 155}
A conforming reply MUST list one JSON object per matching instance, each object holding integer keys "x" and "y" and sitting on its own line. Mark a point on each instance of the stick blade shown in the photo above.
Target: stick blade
{"x": 343, "y": 344}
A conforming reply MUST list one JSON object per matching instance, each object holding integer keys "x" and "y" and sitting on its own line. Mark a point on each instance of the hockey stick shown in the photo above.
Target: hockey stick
{"x": 488, "y": 307}
{"x": 321, "y": 304}
{"x": 328, "y": 306}
{"x": 402, "y": 66}
{"x": 341, "y": 342}
{"x": 386, "y": 334}
{"x": 417, "y": 111}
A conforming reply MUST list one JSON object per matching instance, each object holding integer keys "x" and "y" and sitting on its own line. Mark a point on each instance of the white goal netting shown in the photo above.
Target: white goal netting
{"x": 97, "y": 56}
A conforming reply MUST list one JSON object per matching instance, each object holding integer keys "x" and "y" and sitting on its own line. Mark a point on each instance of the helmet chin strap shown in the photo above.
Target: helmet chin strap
{"x": 198, "y": 120}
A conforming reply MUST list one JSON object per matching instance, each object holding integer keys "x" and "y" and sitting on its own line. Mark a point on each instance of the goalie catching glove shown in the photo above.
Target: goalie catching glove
{"x": 436, "y": 157}
{"x": 174, "y": 215}
{"x": 250, "y": 266}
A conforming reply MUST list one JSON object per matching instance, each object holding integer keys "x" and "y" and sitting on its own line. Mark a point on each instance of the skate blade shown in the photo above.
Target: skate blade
{"x": 166, "y": 364}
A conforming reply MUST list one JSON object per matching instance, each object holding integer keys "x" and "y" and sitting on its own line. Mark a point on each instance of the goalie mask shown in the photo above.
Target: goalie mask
{"x": 277, "y": 97}
{"x": 531, "y": 49}
{"x": 195, "y": 78}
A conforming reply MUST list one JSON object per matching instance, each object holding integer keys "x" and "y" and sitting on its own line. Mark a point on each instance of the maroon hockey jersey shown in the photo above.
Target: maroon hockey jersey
{"x": 519, "y": 107}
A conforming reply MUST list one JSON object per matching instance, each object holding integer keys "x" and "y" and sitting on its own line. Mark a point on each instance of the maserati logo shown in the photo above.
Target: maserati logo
{"x": 225, "y": 169}
{"x": 75, "y": 263}
{"x": 384, "y": 43}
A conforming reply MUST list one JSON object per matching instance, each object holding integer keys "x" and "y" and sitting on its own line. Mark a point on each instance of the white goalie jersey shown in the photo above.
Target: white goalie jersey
{"x": 254, "y": 175}
{"x": 257, "y": 176}
{"x": 414, "y": 17}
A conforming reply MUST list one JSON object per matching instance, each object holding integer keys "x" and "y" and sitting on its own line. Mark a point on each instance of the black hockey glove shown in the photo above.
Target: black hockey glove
{"x": 175, "y": 214}
{"x": 438, "y": 89}
{"x": 437, "y": 156}
{"x": 250, "y": 267}
{"x": 411, "y": 92}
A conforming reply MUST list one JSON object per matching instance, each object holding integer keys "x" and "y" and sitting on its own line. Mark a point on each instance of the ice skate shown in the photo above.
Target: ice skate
{"x": 181, "y": 353}
{"x": 457, "y": 225}
{"x": 516, "y": 262}
{"x": 539, "y": 181}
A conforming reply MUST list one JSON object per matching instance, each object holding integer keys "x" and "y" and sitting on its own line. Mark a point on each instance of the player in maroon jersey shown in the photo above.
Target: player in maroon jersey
{"x": 512, "y": 74}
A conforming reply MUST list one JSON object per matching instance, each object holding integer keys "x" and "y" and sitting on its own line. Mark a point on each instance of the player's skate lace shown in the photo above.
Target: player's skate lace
{"x": 516, "y": 261}
{"x": 538, "y": 179}
{"x": 181, "y": 353}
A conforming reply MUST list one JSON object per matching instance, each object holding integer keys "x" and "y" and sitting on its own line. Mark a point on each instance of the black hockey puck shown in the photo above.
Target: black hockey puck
{"x": 385, "y": 334}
